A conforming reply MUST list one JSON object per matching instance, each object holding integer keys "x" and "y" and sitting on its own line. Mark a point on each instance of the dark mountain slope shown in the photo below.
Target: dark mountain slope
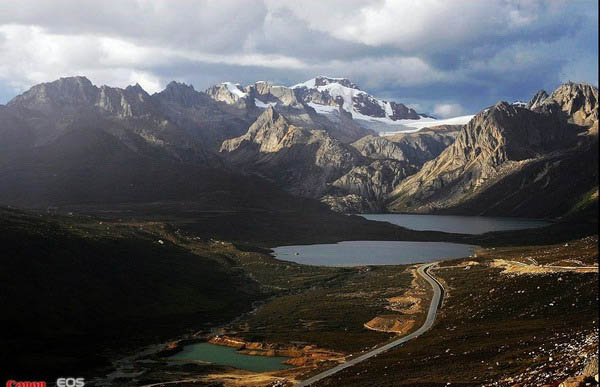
{"x": 75, "y": 292}
{"x": 69, "y": 142}
{"x": 209, "y": 121}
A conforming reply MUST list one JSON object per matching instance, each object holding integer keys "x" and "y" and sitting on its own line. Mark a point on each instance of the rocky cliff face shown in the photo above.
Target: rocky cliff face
{"x": 579, "y": 101}
{"x": 229, "y": 93}
{"x": 538, "y": 98}
{"x": 381, "y": 148}
{"x": 390, "y": 161}
{"x": 67, "y": 96}
{"x": 302, "y": 160}
{"x": 270, "y": 132}
{"x": 350, "y": 178}
{"x": 372, "y": 182}
{"x": 178, "y": 122}
{"x": 505, "y": 144}
{"x": 268, "y": 93}
{"x": 414, "y": 148}
{"x": 204, "y": 119}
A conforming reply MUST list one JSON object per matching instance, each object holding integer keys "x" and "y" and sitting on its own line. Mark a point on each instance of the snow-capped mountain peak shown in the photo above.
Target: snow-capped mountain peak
{"x": 330, "y": 91}
{"x": 235, "y": 88}
{"x": 328, "y": 96}
{"x": 324, "y": 81}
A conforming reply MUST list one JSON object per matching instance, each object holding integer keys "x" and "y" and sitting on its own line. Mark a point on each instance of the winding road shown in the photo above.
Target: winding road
{"x": 433, "y": 307}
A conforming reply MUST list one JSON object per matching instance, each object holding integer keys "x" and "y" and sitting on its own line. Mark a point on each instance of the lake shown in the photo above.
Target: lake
{"x": 358, "y": 253}
{"x": 222, "y": 355}
{"x": 457, "y": 224}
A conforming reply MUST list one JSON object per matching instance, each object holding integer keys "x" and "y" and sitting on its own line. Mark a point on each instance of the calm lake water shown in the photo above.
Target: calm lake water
{"x": 357, "y": 253}
{"x": 222, "y": 355}
{"x": 457, "y": 224}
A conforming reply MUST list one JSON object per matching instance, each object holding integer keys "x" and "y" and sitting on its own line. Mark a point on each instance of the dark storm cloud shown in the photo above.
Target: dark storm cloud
{"x": 431, "y": 53}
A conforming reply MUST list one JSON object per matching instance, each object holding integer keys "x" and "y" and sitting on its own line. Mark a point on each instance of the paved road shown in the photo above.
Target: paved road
{"x": 433, "y": 307}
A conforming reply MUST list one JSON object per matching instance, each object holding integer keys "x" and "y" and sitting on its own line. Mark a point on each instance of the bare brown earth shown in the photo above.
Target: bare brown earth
{"x": 304, "y": 358}
{"x": 391, "y": 323}
{"x": 405, "y": 305}
{"x": 301, "y": 355}
{"x": 579, "y": 256}
{"x": 515, "y": 267}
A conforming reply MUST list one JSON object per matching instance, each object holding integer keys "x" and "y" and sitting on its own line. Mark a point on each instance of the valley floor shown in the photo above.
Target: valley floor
{"x": 517, "y": 312}
{"x": 534, "y": 327}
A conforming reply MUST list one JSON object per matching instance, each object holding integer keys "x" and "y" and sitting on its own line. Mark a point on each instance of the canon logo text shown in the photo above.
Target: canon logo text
{"x": 14, "y": 383}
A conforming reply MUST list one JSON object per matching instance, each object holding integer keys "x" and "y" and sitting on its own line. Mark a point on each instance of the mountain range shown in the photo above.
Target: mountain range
{"x": 514, "y": 161}
{"x": 71, "y": 142}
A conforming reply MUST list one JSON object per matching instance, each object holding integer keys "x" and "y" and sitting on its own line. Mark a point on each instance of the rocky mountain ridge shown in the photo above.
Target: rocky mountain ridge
{"x": 343, "y": 92}
{"x": 313, "y": 163}
{"x": 315, "y": 150}
{"x": 301, "y": 159}
{"x": 508, "y": 155}
{"x": 334, "y": 98}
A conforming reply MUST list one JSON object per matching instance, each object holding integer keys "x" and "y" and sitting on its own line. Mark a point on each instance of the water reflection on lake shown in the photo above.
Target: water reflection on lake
{"x": 357, "y": 253}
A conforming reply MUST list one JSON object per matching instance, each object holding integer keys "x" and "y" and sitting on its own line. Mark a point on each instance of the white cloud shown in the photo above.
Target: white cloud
{"x": 383, "y": 45}
{"x": 32, "y": 55}
{"x": 448, "y": 110}
{"x": 423, "y": 24}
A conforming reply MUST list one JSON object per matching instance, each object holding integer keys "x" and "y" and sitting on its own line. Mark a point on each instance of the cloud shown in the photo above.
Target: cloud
{"x": 429, "y": 52}
{"x": 448, "y": 110}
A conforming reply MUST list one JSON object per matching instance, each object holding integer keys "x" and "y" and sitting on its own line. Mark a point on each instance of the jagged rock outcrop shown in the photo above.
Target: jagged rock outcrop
{"x": 579, "y": 101}
{"x": 377, "y": 147}
{"x": 227, "y": 92}
{"x": 269, "y": 132}
{"x": 336, "y": 105}
{"x": 276, "y": 147}
{"x": 268, "y": 93}
{"x": 60, "y": 95}
{"x": 505, "y": 154}
{"x": 373, "y": 182}
{"x": 252, "y": 100}
{"x": 415, "y": 148}
{"x": 304, "y": 161}
{"x": 204, "y": 119}
{"x": 350, "y": 204}
{"x": 538, "y": 98}
{"x": 175, "y": 122}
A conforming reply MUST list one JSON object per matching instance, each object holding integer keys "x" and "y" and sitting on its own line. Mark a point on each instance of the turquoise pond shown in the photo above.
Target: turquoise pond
{"x": 228, "y": 356}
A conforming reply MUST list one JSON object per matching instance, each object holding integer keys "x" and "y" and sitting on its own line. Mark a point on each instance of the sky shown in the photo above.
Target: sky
{"x": 444, "y": 57}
